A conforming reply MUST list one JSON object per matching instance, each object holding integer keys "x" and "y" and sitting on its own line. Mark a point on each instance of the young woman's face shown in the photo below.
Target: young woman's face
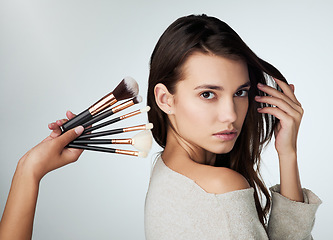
{"x": 211, "y": 102}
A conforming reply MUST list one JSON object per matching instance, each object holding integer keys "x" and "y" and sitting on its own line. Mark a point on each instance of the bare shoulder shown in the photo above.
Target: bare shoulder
{"x": 212, "y": 179}
{"x": 219, "y": 180}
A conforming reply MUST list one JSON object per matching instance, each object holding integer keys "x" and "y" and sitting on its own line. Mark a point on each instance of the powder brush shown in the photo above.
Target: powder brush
{"x": 127, "y": 88}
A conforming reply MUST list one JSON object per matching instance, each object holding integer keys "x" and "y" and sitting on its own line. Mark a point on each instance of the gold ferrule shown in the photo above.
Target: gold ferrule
{"x": 135, "y": 128}
{"x": 130, "y": 114}
{"x": 122, "y": 141}
{"x": 128, "y": 152}
{"x": 123, "y": 106}
{"x": 102, "y": 104}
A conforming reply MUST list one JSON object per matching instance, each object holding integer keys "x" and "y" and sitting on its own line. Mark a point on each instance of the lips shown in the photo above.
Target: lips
{"x": 226, "y": 135}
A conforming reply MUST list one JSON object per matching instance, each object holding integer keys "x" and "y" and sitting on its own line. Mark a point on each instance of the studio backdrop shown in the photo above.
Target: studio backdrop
{"x": 64, "y": 55}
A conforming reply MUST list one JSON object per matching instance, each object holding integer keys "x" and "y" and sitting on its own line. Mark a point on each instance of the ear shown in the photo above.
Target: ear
{"x": 163, "y": 98}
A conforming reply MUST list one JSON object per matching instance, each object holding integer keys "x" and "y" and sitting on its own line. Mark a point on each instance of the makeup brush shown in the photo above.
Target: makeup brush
{"x": 131, "y": 114}
{"x": 113, "y": 110}
{"x": 115, "y": 131}
{"x": 109, "y": 150}
{"x": 141, "y": 141}
{"x": 127, "y": 88}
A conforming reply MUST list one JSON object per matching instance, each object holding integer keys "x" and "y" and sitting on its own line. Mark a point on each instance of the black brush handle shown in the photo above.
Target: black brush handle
{"x": 98, "y": 117}
{"x": 101, "y": 125}
{"x": 93, "y": 141}
{"x": 77, "y": 121}
{"x": 92, "y": 148}
{"x": 101, "y": 134}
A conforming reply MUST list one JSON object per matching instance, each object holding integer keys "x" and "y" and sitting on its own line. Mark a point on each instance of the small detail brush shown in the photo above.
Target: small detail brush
{"x": 113, "y": 110}
{"x": 127, "y": 88}
{"x": 109, "y": 150}
{"x": 147, "y": 126}
{"x": 131, "y": 114}
{"x": 141, "y": 141}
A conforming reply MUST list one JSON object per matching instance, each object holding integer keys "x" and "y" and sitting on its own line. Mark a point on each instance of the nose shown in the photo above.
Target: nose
{"x": 227, "y": 111}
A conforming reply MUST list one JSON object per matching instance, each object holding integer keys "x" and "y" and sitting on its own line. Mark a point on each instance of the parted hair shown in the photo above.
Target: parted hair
{"x": 209, "y": 35}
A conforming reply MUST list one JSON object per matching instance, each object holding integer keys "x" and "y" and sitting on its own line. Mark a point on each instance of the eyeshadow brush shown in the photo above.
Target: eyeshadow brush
{"x": 109, "y": 150}
{"x": 127, "y": 88}
{"x": 116, "y": 131}
{"x": 131, "y": 114}
{"x": 112, "y": 111}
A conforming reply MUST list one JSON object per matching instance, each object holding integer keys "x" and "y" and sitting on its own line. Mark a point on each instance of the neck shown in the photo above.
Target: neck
{"x": 178, "y": 148}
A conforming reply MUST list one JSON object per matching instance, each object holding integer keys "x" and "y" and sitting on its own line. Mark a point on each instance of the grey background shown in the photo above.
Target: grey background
{"x": 60, "y": 55}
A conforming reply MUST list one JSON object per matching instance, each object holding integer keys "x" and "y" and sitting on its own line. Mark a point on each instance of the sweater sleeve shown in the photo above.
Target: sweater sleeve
{"x": 290, "y": 219}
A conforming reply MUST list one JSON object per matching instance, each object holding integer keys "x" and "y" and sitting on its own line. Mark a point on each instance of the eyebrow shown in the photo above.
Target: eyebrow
{"x": 216, "y": 87}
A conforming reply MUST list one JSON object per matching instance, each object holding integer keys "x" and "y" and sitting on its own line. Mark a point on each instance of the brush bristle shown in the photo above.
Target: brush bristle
{"x": 145, "y": 109}
{"x": 143, "y": 141}
{"x": 137, "y": 99}
{"x": 127, "y": 88}
{"x": 149, "y": 126}
{"x": 143, "y": 154}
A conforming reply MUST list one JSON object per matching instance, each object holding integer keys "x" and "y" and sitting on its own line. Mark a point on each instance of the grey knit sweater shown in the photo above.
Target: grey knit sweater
{"x": 177, "y": 208}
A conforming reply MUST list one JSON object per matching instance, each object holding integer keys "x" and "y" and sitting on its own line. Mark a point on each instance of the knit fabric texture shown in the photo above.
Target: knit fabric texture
{"x": 178, "y": 208}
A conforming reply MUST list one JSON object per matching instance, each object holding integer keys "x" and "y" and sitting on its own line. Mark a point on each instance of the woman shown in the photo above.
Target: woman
{"x": 213, "y": 110}
{"x": 202, "y": 86}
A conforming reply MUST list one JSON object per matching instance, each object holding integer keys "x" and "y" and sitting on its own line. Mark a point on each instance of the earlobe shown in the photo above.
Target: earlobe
{"x": 163, "y": 98}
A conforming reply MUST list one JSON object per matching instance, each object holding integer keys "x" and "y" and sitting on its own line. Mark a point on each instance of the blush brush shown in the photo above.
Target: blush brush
{"x": 141, "y": 141}
{"x": 127, "y": 88}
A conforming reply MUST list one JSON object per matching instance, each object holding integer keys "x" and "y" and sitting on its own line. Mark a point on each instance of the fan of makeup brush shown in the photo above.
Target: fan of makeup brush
{"x": 126, "y": 89}
{"x": 89, "y": 141}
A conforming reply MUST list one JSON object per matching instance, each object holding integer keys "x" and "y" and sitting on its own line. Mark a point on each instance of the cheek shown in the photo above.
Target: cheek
{"x": 189, "y": 116}
{"x": 242, "y": 108}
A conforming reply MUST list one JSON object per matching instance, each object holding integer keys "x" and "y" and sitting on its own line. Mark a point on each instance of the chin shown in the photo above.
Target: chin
{"x": 222, "y": 149}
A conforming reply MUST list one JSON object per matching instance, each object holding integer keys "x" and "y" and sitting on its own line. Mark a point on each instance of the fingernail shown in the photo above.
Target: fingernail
{"x": 78, "y": 130}
{"x": 257, "y": 97}
{"x": 260, "y": 85}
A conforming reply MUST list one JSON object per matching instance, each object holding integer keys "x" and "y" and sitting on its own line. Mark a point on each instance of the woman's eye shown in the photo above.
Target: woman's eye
{"x": 241, "y": 93}
{"x": 207, "y": 95}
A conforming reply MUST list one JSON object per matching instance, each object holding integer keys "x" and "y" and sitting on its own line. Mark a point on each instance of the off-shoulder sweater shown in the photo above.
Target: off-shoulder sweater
{"x": 178, "y": 208}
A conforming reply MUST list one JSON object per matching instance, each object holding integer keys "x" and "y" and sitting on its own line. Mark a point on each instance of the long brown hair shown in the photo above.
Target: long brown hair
{"x": 201, "y": 33}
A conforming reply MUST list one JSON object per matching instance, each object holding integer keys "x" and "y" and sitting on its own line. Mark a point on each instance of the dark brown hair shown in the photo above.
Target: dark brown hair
{"x": 209, "y": 35}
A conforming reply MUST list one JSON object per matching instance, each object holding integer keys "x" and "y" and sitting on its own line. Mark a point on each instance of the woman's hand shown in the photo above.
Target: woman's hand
{"x": 288, "y": 110}
{"x": 51, "y": 153}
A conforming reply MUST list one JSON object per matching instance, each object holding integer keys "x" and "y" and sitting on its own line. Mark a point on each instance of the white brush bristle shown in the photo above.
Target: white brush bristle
{"x": 143, "y": 141}
{"x": 132, "y": 85}
{"x": 149, "y": 126}
{"x": 145, "y": 109}
{"x": 138, "y": 99}
{"x": 143, "y": 154}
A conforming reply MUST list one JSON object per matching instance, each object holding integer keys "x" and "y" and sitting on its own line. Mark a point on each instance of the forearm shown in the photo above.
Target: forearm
{"x": 18, "y": 216}
{"x": 290, "y": 183}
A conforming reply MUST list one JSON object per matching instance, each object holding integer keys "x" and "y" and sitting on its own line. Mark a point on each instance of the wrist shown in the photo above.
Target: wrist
{"x": 290, "y": 156}
{"x": 26, "y": 171}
